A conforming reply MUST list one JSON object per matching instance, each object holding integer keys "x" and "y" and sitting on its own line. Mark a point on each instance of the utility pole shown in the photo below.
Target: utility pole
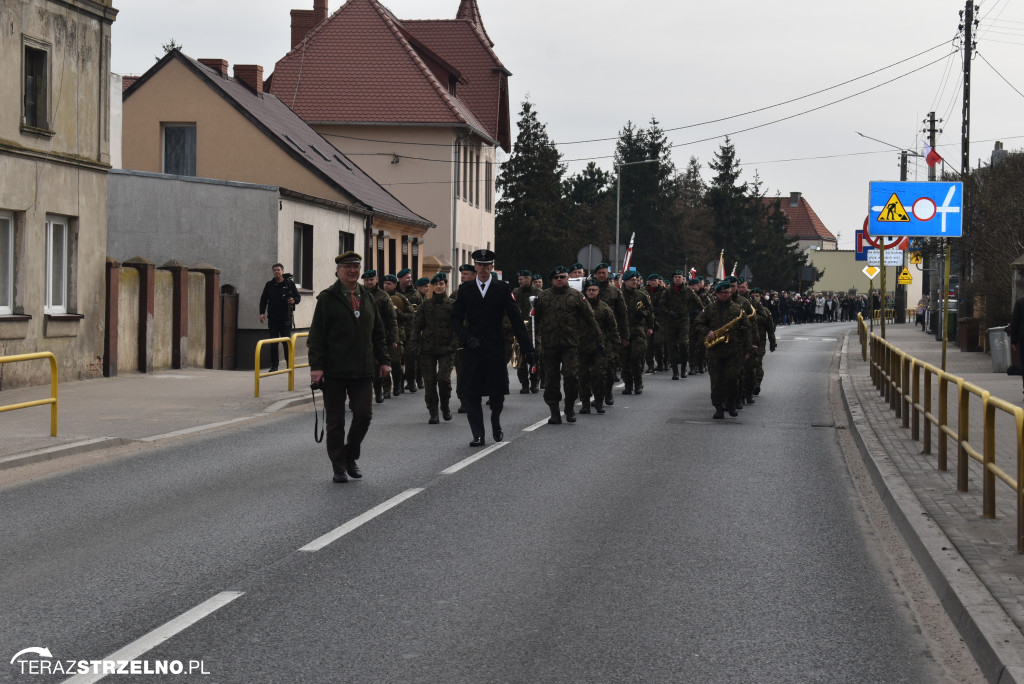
{"x": 900, "y": 297}
{"x": 929, "y": 260}
{"x": 931, "y": 142}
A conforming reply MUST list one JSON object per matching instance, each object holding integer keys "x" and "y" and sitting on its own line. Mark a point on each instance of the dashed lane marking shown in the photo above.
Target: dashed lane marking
{"x": 339, "y": 532}
{"x": 473, "y": 459}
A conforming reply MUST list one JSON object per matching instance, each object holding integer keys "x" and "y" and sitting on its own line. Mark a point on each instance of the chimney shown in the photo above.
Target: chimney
{"x": 794, "y": 199}
{"x": 304, "y": 21}
{"x": 218, "y": 65}
{"x": 251, "y": 75}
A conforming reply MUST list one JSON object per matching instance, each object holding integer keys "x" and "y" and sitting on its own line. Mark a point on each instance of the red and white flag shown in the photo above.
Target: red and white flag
{"x": 720, "y": 271}
{"x": 931, "y": 156}
{"x": 629, "y": 253}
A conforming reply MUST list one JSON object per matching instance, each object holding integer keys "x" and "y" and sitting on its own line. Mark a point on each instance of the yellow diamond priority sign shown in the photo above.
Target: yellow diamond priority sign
{"x": 871, "y": 271}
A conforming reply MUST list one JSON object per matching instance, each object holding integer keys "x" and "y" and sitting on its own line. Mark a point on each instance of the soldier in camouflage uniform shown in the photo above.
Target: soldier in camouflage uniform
{"x": 641, "y": 327}
{"x": 697, "y": 358}
{"x": 764, "y": 338}
{"x": 393, "y": 383}
{"x": 725, "y": 358}
{"x": 676, "y": 306}
{"x": 529, "y": 381}
{"x": 407, "y": 289}
{"x": 563, "y": 317}
{"x": 387, "y": 314}
{"x": 433, "y": 346}
{"x": 612, "y": 296}
{"x": 740, "y": 292}
{"x": 656, "y": 342}
{"x": 594, "y": 365}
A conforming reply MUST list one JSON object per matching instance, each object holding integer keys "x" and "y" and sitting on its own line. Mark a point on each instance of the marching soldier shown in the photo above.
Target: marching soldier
{"x": 563, "y": 316}
{"x": 765, "y": 334}
{"x": 640, "y": 328}
{"x": 678, "y": 303}
{"x": 612, "y": 296}
{"x": 390, "y": 320}
{"x": 434, "y": 344}
{"x": 402, "y": 315}
{"x": 741, "y": 292}
{"x": 413, "y": 300}
{"x": 595, "y": 365}
{"x": 724, "y": 327}
{"x": 656, "y": 343}
{"x": 529, "y": 381}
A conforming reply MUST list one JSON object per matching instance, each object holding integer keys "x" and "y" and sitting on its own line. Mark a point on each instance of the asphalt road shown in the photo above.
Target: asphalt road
{"x": 648, "y": 544}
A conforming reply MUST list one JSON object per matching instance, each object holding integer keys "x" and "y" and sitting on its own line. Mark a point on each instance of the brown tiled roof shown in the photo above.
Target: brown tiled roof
{"x": 470, "y": 11}
{"x": 803, "y": 222}
{"x": 467, "y": 47}
{"x": 127, "y": 81}
{"x": 360, "y": 66}
{"x": 296, "y": 137}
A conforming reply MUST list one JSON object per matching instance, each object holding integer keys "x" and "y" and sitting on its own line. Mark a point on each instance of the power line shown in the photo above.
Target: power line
{"x": 997, "y": 73}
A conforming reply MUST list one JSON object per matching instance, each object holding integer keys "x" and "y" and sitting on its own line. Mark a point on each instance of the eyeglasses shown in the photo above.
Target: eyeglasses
{"x": 563, "y": 276}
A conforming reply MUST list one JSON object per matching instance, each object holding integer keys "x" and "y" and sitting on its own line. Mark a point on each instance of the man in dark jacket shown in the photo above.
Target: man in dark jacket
{"x": 276, "y": 305}
{"x": 347, "y": 347}
{"x": 480, "y": 307}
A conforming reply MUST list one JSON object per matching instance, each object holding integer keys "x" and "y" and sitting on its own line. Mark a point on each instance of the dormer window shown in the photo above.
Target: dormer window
{"x": 452, "y": 84}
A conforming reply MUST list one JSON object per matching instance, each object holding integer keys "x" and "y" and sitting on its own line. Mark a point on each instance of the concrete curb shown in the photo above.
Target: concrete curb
{"x": 61, "y": 450}
{"x": 992, "y": 637}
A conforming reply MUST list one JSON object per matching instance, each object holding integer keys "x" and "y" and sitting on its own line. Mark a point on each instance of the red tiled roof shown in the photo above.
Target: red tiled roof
{"x": 359, "y": 67}
{"x": 127, "y": 81}
{"x": 470, "y": 11}
{"x": 803, "y": 222}
{"x": 467, "y": 48}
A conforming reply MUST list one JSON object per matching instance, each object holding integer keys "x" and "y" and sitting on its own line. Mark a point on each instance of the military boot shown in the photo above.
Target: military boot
{"x": 719, "y": 413}
{"x": 628, "y": 389}
{"x": 638, "y": 387}
{"x": 378, "y": 395}
{"x": 675, "y": 371}
{"x": 609, "y": 399}
{"x": 556, "y": 415}
{"x": 434, "y": 420}
{"x": 586, "y": 406}
{"x": 598, "y": 405}
{"x": 446, "y": 412}
{"x": 570, "y": 413}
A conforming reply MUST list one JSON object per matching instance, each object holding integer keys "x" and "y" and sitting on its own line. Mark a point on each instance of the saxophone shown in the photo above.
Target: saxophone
{"x": 722, "y": 334}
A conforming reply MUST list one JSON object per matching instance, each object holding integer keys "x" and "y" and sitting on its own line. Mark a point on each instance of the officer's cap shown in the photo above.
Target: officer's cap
{"x": 483, "y": 256}
{"x": 348, "y": 258}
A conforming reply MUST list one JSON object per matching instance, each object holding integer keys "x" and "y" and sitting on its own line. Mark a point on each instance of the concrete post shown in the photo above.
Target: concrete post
{"x": 110, "y": 319}
{"x": 179, "y": 314}
{"x": 147, "y": 295}
{"x": 212, "y": 300}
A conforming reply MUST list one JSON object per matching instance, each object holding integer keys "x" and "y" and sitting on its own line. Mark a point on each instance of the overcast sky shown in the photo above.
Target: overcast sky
{"x": 589, "y": 66}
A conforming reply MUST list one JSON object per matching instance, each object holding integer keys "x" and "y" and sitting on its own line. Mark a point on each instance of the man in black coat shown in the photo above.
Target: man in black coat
{"x": 477, "y": 316}
{"x": 276, "y": 305}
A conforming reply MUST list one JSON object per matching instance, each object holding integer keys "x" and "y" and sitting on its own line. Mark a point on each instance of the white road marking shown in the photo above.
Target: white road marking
{"x": 531, "y": 428}
{"x": 339, "y": 532}
{"x": 161, "y": 634}
{"x": 198, "y": 428}
{"x": 473, "y": 459}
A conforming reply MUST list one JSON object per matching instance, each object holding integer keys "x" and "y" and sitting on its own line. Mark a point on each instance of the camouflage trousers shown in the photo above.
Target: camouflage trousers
{"x": 437, "y": 380}
{"x": 594, "y": 372}
{"x": 725, "y": 370}
{"x": 561, "y": 366}
{"x": 632, "y": 359}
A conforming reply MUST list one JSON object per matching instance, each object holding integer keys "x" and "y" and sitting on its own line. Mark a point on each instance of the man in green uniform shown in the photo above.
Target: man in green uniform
{"x": 407, "y": 289}
{"x": 676, "y": 304}
{"x": 563, "y": 317}
{"x": 612, "y": 296}
{"x": 594, "y": 365}
{"x": 723, "y": 325}
{"x": 764, "y": 337}
{"x": 656, "y": 342}
{"x": 640, "y": 327}
{"x": 524, "y": 294}
{"x": 387, "y": 314}
{"x": 347, "y": 347}
{"x": 434, "y": 344}
{"x": 393, "y": 383}
{"x": 696, "y": 359}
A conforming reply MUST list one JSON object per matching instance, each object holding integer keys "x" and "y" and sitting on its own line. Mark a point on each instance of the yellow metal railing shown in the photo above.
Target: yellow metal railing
{"x": 52, "y": 401}
{"x": 290, "y": 370}
{"x": 890, "y": 315}
{"x": 907, "y": 383}
{"x": 295, "y": 343}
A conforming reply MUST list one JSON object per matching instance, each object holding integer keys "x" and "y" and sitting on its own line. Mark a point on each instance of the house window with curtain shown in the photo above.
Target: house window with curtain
{"x": 179, "y": 149}
{"x": 58, "y": 238}
{"x": 6, "y": 263}
{"x": 36, "y": 86}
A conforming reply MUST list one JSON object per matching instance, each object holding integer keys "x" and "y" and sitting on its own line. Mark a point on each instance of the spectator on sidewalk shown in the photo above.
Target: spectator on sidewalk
{"x": 276, "y": 306}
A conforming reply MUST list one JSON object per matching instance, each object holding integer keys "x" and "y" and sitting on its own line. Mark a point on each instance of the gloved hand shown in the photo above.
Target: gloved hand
{"x": 473, "y": 343}
{"x": 773, "y": 347}
{"x": 531, "y": 358}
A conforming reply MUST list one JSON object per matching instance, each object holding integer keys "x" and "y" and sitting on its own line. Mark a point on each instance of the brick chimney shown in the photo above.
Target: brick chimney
{"x": 218, "y": 65}
{"x": 251, "y": 75}
{"x": 304, "y": 21}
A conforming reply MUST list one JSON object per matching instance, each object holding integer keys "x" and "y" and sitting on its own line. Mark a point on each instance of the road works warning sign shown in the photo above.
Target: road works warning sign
{"x": 893, "y": 212}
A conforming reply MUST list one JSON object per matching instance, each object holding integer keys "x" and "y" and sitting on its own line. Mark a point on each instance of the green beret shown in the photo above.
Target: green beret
{"x": 756, "y": 290}
{"x": 404, "y": 272}
{"x": 741, "y": 279}
{"x": 678, "y": 271}
{"x": 438, "y": 278}
{"x": 348, "y": 258}
{"x": 603, "y": 264}
{"x": 390, "y": 278}
{"x": 538, "y": 276}
{"x": 556, "y": 270}
{"x": 370, "y": 274}
{"x": 525, "y": 273}
{"x": 575, "y": 266}
{"x": 464, "y": 268}
{"x": 722, "y": 285}
{"x": 590, "y": 282}
{"x": 693, "y": 281}
{"x": 732, "y": 279}
{"x": 631, "y": 273}
{"x": 422, "y": 281}
{"x": 654, "y": 276}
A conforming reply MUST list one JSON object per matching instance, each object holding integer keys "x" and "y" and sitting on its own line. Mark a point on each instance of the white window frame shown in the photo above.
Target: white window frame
{"x": 7, "y": 267}
{"x": 57, "y": 264}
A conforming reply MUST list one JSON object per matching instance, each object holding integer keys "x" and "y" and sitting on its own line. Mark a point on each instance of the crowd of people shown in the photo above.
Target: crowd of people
{"x": 573, "y": 340}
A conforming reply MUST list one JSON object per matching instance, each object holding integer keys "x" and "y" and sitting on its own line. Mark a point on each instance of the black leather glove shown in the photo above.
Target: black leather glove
{"x": 773, "y": 346}
{"x": 473, "y": 343}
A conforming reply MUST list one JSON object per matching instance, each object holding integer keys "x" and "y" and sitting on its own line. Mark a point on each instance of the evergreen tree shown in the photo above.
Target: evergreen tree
{"x": 591, "y": 208}
{"x": 531, "y": 225}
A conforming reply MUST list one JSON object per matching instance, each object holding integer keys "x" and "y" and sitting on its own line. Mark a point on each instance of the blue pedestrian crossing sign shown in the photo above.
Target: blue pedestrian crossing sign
{"x": 916, "y": 209}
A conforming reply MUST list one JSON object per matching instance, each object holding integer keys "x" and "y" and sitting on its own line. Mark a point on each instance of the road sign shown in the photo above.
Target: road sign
{"x": 916, "y": 209}
{"x": 590, "y": 256}
{"x": 905, "y": 278}
{"x": 916, "y": 257}
{"x": 893, "y": 257}
{"x": 871, "y": 271}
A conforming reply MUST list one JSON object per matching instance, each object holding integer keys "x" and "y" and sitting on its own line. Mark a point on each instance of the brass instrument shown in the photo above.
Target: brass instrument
{"x": 722, "y": 334}
{"x": 399, "y": 302}
{"x": 517, "y": 353}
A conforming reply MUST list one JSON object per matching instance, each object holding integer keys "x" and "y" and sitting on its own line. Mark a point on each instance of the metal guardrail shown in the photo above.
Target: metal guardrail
{"x": 52, "y": 401}
{"x": 290, "y": 370}
{"x": 899, "y": 378}
{"x": 890, "y": 315}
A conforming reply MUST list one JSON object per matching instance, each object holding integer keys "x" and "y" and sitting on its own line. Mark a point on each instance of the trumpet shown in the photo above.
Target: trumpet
{"x": 517, "y": 353}
{"x": 722, "y": 334}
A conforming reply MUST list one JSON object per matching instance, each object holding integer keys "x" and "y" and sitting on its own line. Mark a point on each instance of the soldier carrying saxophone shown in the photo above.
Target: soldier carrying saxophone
{"x": 726, "y": 332}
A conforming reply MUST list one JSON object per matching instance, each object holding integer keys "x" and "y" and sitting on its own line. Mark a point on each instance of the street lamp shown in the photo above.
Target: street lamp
{"x": 618, "y": 198}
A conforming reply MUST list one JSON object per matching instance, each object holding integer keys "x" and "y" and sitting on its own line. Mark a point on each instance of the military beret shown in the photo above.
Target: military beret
{"x": 615, "y": 276}
{"x": 603, "y": 264}
{"x": 631, "y": 273}
{"x": 556, "y": 270}
{"x": 438, "y": 278}
{"x": 525, "y": 273}
{"x": 654, "y": 276}
{"x": 756, "y": 290}
{"x": 741, "y": 279}
{"x": 576, "y": 266}
{"x": 422, "y": 281}
{"x": 538, "y": 276}
{"x": 722, "y": 285}
{"x": 404, "y": 272}
{"x": 390, "y": 278}
{"x": 693, "y": 281}
{"x": 443, "y": 274}
{"x": 348, "y": 258}
{"x": 370, "y": 274}
{"x": 590, "y": 282}
{"x": 678, "y": 271}
{"x": 483, "y": 256}
{"x": 732, "y": 279}
{"x": 467, "y": 267}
